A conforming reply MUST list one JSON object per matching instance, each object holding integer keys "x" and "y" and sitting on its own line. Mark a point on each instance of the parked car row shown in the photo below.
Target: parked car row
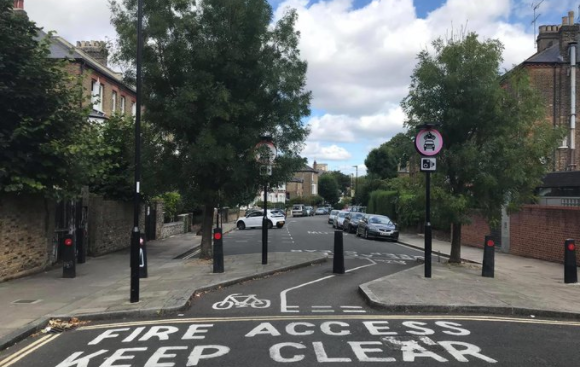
{"x": 363, "y": 224}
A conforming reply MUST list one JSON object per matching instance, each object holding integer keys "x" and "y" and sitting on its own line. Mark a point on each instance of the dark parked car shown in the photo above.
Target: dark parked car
{"x": 351, "y": 221}
{"x": 377, "y": 226}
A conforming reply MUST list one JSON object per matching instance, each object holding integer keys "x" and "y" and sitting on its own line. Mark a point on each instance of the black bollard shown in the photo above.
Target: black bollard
{"x": 218, "y": 251}
{"x": 488, "y": 260}
{"x": 142, "y": 256}
{"x": 69, "y": 263}
{"x": 338, "y": 256}
{"x": 570, "y": 262}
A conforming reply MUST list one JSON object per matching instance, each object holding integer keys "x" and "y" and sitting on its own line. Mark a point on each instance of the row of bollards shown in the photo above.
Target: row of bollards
{"x": 570, "y": 262}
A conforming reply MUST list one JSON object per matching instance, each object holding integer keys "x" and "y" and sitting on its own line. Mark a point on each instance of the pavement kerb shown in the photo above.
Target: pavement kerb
{"x": 375, "y": 302}
{"x": 41, "y": 323}
{"x": 435, "y": 252}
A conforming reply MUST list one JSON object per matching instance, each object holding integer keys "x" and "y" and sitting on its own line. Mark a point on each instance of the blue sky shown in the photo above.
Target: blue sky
{"x": 360, "y": 53}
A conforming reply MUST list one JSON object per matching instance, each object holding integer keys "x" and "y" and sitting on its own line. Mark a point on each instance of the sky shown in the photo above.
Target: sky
{"x": 360, "y": 54}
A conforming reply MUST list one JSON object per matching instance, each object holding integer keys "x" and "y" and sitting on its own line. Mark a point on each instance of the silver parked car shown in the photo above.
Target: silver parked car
{"x": 339, "y": 218}
{"x": 332, "y": 216}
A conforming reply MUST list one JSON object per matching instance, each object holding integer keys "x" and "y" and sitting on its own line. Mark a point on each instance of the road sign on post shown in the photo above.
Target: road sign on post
{"x": 428, "y": 164}
{"x": 428, "y": 143}
{"x": 265, "y": 155}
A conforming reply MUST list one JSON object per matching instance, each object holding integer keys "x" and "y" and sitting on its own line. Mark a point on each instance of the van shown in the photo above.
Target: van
{"x": 299, "y": 210}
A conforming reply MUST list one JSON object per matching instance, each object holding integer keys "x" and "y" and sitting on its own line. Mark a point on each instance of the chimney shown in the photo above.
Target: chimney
{"x": 95, "y": 49}
{"x": 548, "y": 36}
{"x": 571, "y": 17}
{"x": 565, "y": 21}
{"x": 18, "y": 4}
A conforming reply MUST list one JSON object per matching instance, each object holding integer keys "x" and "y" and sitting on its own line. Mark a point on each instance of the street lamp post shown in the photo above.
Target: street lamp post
{"x": 356, "y": 176}
{"x": 135, "y": 236}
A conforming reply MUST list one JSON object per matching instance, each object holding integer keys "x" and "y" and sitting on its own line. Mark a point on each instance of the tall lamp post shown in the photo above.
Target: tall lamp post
{"x": 265, "y": 155}
{"x": 135, "y": 236}
{"x": 356, "y": 176}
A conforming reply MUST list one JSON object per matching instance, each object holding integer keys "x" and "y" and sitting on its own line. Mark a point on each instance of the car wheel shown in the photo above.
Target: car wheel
{"x": 241, "y": 226}
{"x": 366, "y": 235}
{"x": 356, "y": 232}
{"x": 269, "y": 225}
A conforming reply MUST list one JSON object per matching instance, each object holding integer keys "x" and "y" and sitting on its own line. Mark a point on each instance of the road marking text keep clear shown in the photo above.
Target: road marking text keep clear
{"x": 409, "y": 341}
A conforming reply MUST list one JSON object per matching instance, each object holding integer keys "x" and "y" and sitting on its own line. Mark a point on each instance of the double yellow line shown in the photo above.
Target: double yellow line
{"x": 27, "y": 350}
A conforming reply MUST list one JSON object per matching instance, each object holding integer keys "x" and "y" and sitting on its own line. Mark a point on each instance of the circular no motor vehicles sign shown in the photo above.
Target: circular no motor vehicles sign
{"x": 265, "y": 152}
{"x": 429, "y": 142}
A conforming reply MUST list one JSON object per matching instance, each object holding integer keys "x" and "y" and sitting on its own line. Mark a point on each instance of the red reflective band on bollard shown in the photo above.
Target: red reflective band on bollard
{"x": 68, "y": 241}
{"x": 490, "y": 243}
{"x": 571, "y": 247}
{"x": 141, "y": 241}
{"x": 217, "y": 236}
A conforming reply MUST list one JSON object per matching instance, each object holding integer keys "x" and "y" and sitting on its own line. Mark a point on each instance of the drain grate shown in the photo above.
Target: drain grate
{"x": 26, "y": 301}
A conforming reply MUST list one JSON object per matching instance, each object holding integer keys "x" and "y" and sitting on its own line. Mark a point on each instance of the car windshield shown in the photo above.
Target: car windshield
{"x": 341, "y": 215}
{"x": 380, "y": 220}
{"x": 296, "y": 207}
{"x": 334, "y": 212}
{"x": 356, "y": 216}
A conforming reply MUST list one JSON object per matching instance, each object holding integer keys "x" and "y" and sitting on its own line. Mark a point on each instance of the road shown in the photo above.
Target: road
{"x": 305, "y": 317}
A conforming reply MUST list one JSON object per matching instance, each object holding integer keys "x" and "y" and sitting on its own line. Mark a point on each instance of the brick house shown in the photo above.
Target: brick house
{"x": 539, "y": 231}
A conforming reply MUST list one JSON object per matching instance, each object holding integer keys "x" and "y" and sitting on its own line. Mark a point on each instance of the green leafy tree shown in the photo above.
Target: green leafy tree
{"x": 495, "y": 146}
{"x": 383, "y": 162}
{"x": 343, "y": 181}
{"x": 217, "y": 76}
{"x": 47, "y": 144}
{"x": 329, "y": 189}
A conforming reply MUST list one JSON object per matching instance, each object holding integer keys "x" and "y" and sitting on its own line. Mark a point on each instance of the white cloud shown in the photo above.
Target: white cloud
{"x": 345, "y": 129}
{"x": 74, "y": 20}
{"x": 360, "y": 60}
{"x": 315, "y": 151}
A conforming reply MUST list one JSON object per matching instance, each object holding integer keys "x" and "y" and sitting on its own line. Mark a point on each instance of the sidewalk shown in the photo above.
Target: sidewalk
{"x": 101, "y": 288}
{"x": 521, "y": 286}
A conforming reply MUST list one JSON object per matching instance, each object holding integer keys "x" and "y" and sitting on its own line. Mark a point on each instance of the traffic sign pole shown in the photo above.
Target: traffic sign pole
{"x": 428, "y": 143}
{"x": 428, "y": 233}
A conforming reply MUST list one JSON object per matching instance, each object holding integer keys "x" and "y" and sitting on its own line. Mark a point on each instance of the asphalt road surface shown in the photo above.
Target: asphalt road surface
{"x": 305, "y": 317}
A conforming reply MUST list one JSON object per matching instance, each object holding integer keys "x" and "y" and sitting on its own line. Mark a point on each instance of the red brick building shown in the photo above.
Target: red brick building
{"x": 104, "y": 88}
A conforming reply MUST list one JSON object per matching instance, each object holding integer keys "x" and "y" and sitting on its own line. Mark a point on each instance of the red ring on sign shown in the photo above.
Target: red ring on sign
{"x": 571, "y": 247}
{"x": 217, "y": 236}
{"x": 490, "y": 243}
{"x": 68, "y": 241}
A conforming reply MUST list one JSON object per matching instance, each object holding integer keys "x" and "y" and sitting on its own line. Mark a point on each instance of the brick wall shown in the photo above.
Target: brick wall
{"x": 26, "y": 233}
{"x": 110, "y": 224}
{"x": 172, "y": 229}
{"x": 473, "y": 234}
{"x": 536, "y": 231}
{"x": 540, "y": 231}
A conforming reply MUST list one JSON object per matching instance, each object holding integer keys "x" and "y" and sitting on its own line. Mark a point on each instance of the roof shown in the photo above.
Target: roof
{"x": 561, "y": 179}
{"x": 62, "y": 49}
{"x": 550, "y": 55}
{"x": 308, "y": 169}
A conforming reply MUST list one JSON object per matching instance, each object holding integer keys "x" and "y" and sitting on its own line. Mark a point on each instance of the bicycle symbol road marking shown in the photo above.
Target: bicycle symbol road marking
{"x": 238, "y": 300}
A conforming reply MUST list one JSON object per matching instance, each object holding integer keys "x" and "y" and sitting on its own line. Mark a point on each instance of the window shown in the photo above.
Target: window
{"x": 97, "y": 90}
{"x": 123, "y": 105}
{"x": 113, "y": 102}
{"x": 133, "y": 109}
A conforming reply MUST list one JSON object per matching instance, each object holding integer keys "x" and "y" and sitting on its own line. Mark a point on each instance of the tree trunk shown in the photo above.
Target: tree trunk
{"x": 455, "y": 256}
{"x": 207, "y": 221}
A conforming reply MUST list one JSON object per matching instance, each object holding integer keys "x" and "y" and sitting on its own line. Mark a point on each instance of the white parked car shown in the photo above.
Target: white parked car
{"x": 332, "y": 216}
{"x": 339, "y": 218}
{"x": 254, "y": 219}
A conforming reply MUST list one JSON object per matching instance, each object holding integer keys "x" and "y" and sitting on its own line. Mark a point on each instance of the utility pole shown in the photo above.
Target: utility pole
{"x": 135, "y": 236}
{"x": 356, "y": 176}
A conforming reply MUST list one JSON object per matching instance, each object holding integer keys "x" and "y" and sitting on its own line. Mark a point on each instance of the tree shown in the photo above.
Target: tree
{"x": 383, "y": 162}
{"x": 495, "y": 149}
{"x": 217, "y": 76}
{"x": 328, "y": 188}
{"x": 47, "y": 144}
{"x": 343, "y": 181}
